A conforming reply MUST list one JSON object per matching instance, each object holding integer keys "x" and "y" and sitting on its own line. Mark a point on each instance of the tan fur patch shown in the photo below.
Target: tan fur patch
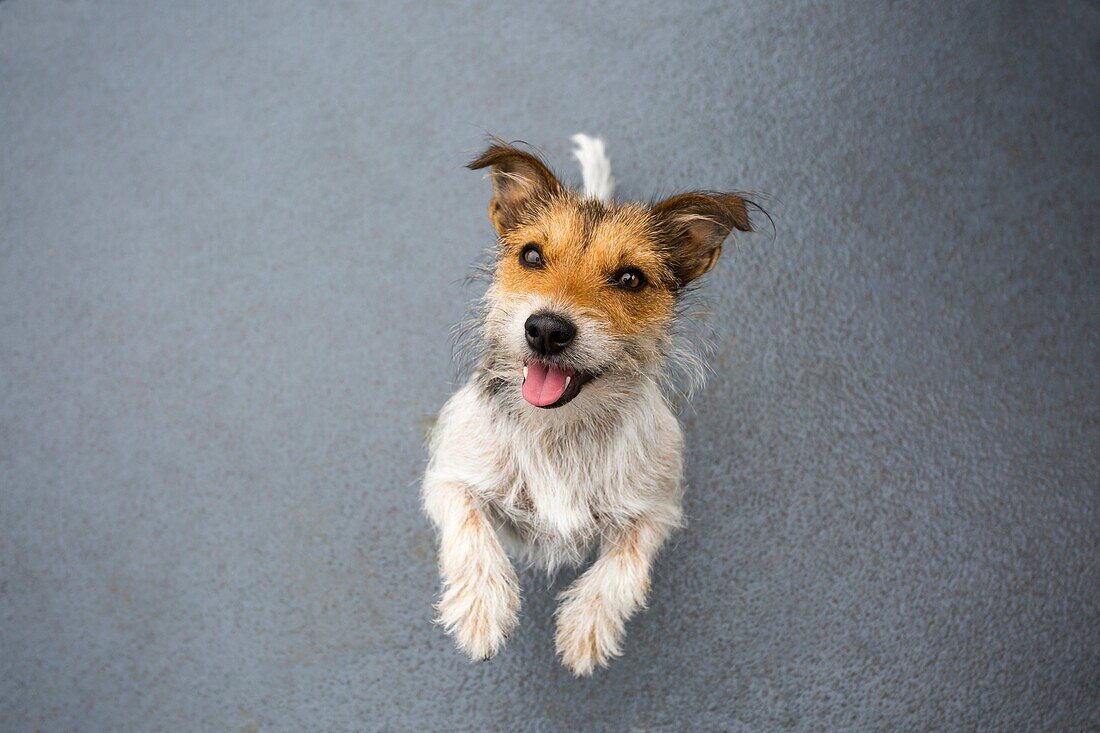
{"x": 472, "y": 522}
{"x": 585, "y": 244}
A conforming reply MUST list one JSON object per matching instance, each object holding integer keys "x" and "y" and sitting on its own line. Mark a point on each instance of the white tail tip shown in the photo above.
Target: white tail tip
{"x": 595, "y": 167}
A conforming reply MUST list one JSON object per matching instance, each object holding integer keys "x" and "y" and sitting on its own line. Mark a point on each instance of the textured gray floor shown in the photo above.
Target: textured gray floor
{"x": 232, "y": 245}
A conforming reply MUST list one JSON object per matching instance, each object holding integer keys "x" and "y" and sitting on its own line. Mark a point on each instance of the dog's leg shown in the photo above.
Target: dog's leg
{"x": 480, "y": 602}
{"x": 595, "y": 608}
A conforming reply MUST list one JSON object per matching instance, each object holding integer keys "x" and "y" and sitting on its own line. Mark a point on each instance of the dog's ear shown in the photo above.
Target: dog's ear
{"x": 695, "y": 225}
{"x": 519, "y": 179}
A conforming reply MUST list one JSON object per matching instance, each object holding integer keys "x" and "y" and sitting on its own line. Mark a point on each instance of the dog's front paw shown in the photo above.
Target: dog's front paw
{"x": 588, "y": 633}
{"x": 480, "y": 615}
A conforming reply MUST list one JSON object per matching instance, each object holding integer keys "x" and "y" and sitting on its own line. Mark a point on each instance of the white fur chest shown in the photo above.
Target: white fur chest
{"x": 552, "y": 486}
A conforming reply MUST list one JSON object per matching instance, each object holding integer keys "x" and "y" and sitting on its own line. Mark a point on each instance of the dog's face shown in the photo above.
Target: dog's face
{"x": 584, "y": 292}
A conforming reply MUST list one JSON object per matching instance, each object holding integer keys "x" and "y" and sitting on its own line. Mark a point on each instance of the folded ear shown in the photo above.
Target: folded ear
{"x": 519, "y": 179}
{"x": 695, "y": 225}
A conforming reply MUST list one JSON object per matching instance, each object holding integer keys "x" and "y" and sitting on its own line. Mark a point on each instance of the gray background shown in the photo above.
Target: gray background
{"x": 233, "y": 242}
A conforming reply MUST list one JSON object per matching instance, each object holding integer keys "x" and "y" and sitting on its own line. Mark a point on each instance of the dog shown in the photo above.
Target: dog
{"x": 563, "y": 440}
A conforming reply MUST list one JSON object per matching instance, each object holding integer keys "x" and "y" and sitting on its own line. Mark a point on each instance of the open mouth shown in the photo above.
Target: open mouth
{"x": 550, "y": 385}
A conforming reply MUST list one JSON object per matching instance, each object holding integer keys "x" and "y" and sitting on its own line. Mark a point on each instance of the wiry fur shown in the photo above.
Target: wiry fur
{"x": 601, "y": 472}
{"x": 595, "y": 167}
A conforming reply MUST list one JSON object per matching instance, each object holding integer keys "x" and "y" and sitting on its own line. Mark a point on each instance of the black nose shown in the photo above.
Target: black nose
{"x": 548, "y": 334}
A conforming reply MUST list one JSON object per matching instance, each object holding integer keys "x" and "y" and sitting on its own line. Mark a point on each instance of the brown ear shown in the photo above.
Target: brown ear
{"x": 519, "y": 179}
{"x": 696, "y": 224}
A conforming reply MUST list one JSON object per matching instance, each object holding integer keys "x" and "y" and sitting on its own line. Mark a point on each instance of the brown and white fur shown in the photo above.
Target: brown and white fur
{"x": 600, "y": 468}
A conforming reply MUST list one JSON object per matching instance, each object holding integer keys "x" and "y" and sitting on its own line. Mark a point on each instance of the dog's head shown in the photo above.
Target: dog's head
{"x": 584, "y": 292}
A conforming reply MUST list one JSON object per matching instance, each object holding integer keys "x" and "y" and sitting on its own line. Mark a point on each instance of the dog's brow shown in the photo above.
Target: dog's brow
{"x": 591, "y": 212}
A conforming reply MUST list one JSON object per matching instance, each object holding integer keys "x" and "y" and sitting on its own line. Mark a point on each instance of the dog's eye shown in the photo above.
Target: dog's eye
{"x": 531, "y": 256}
{"x": 630, "y": 279}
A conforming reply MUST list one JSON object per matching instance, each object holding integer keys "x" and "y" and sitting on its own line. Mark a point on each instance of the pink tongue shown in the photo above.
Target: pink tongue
{"x": 544, "y": 384}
